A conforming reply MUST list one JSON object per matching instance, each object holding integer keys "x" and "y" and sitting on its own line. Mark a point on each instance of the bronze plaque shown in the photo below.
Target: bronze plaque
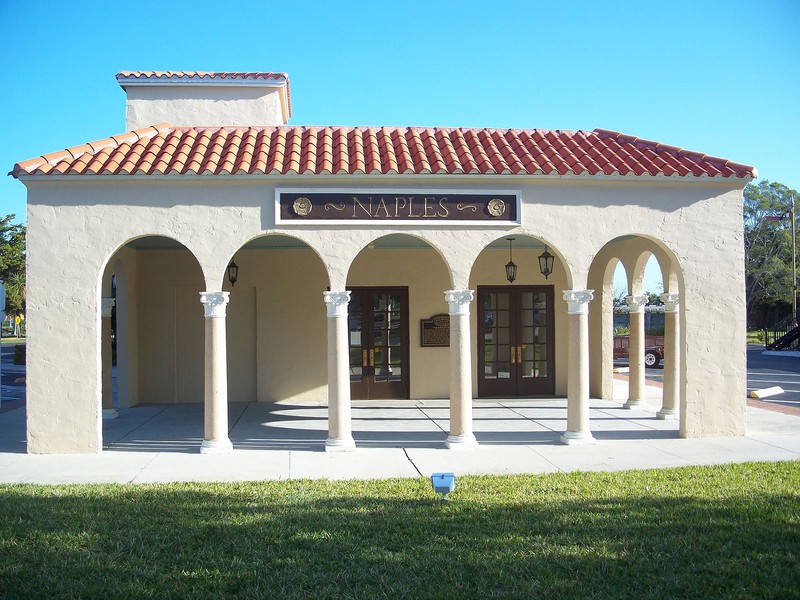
{"x": 411, "y": 207}
{"x": 435, "y": 331}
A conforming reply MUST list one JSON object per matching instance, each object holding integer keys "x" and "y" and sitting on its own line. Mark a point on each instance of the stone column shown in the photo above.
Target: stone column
{"x": 461, "y": 435}
{"x": 636, "y": 393}
{"x": 107, "y": 375}
{"x": 578, "y": 431}
{"x": 671, "y": 392}
{"x": 216, "y": 439}
{"x": 340, "y": 433}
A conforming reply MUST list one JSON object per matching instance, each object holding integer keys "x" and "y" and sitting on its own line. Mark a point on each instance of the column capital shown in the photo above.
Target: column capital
{"x": 459, "y": 301}
{"x": 106, "y": 304}
{"x": 214, "y": 303}
{"x": 636, "y": 304}
{"x": 578, "y": 301}
{"x": 671, "y": 302}
{"x": 337, "y": 303}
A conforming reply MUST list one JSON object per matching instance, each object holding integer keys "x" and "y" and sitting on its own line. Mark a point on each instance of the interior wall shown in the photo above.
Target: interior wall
{"x": 241, "y": 327}
{"x": 277, "y": 327}
{"x": 169, "y": 312}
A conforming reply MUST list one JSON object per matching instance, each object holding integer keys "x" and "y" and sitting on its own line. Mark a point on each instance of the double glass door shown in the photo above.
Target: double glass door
{"x": 378, "y": 331}
{"x": 515, "y": 341}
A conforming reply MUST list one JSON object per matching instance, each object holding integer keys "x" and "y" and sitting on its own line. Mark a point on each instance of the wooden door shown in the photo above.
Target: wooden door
{"x": 378, "y": 331}
{"x": 515, "y": 341}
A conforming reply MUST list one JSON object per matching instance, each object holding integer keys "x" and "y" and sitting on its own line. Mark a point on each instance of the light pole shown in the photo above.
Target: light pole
{"x": 794, "y": 257}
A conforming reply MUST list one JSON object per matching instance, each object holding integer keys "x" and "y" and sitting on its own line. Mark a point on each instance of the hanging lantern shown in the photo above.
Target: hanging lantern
{"x": 546, "y": 263}
{"x": 511, "y": 267}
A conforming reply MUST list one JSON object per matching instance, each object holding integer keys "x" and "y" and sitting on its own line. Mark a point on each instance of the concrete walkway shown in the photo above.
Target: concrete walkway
{"x": 394, "y": 438}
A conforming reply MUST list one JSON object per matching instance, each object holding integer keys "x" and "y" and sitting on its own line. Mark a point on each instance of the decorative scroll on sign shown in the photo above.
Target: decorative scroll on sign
{"x": 411, "y": 207}
{"x": 435, "y": 331}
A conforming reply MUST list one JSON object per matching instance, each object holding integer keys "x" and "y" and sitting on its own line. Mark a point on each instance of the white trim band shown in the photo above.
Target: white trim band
{"x": 214, "y": 303}
{"x": 337, "y": 303}
{"x": 636, "y": 304}
{"x": 340, "y": 445}
{"x": 459, "y": 301}
{"x": 216, "y": 447}
{"x": 671, "y": 302}
{"x": 578, "y": 301}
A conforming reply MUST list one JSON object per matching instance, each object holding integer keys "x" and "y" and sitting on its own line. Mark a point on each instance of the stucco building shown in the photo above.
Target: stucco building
{"x": 260, "y": 261}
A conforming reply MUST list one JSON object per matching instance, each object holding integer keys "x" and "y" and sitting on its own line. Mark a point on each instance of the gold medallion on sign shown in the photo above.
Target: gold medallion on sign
{"x": 302, "y": 206}
{"x": 496, "y": 207}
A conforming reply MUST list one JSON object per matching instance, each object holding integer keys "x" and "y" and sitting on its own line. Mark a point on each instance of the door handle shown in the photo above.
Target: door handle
{"x": 363, "y": 358}
{"x": 372, "y": 357}
{"x": 513, "y": 354}
{"x": 519, "y": 353}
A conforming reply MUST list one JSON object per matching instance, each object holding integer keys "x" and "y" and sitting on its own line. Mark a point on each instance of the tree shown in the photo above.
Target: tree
{"x": 12, "y": 263}
{"x": 768, "y": 246}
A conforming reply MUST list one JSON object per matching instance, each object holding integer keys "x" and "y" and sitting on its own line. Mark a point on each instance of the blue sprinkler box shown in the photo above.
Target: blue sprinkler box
{"x": 443, "y": 483}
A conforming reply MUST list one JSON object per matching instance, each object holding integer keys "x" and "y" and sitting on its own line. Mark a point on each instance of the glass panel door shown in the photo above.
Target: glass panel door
{"x": 515, "y": 345}
{"x": 494, "y": 363}
{"x": 378, "y": 324}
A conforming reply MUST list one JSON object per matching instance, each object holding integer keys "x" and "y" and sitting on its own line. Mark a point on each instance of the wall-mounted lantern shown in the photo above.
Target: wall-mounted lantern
{"x": 233, "y": 273}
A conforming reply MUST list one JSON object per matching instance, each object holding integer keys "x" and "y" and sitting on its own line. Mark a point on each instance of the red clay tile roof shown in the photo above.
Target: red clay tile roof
{"x": 124, "y": 77}
{"x": 164, "y": 149}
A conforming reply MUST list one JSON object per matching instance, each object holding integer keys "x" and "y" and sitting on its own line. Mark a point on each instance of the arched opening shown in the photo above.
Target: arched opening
{"x": 276, "y": 329}
{"x": 518, "y": 351}
{"x": 398, "y": 335}
{"x": 629, "y": 332}
{"x": 151, "y": 337}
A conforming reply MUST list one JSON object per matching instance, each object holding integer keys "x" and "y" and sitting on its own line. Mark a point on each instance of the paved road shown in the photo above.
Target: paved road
{"x": 769, "y": 371}
{"x": 762, "y": 372}
{"x": 13, "y": 393}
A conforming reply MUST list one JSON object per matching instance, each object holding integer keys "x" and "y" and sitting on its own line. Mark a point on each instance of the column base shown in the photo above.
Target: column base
{"x": 577, "y": 438}
{"x": 340, "y": 445}
{"x": 216, "y": 447}
{"x": 634, "y": 404}
{"x": 668, "y": 414}
{"x": 110, "y": 413}
{"x": 461, "y": 442}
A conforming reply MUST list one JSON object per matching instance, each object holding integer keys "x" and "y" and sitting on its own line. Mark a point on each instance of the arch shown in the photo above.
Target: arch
{"x": 275, "y": 320}
{"x": 634, "y": 252}
{"x": 503, "y": 318}
{"x": 159, "y": 285}
{"x": 273, "y": 240}
{"x": 535, "y": 245}
{"x": 396, "y": 281}
{"x": 401, "y": 240}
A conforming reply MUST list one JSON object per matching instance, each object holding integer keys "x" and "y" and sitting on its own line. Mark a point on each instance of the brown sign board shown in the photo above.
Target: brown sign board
{"x": 435, "y": 331}
{"x": 410, "y": 207}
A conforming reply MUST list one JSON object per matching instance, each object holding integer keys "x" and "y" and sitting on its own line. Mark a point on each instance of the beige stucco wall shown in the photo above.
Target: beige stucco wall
{"x": 77, "y": 224}
{"x": 217, "y": 106}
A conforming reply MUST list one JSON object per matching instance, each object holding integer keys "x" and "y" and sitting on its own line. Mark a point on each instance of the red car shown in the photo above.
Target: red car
{"x": 653, "y": 356}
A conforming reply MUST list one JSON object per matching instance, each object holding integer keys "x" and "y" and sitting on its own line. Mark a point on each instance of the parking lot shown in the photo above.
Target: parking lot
{"x": 764, "y": 371}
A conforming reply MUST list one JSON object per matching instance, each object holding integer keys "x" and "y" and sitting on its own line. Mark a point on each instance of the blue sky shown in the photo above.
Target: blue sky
{"x": 721, "y": 78}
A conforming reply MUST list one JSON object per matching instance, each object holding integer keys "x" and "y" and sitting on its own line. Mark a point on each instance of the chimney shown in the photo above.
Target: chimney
{"x": 205, "y": 99}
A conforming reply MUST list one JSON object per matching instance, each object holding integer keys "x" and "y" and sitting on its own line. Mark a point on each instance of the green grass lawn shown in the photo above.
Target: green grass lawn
{"x": 701, "y": 532}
